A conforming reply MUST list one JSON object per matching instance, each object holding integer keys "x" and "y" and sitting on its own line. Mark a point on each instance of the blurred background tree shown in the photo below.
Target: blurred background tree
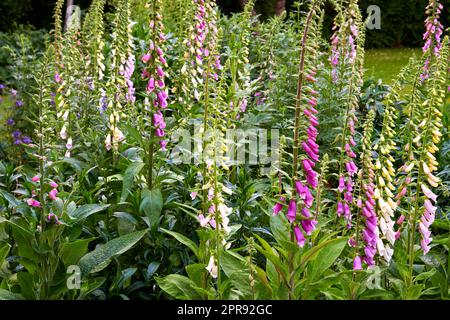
{"x": 401, "y": 20}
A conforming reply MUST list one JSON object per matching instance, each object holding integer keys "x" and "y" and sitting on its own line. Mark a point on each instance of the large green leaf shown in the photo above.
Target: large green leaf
{"x": 314, "y": 251}
{"x": 86, "y": 210}
{"x": 71, "y": 252}
{"x": 128, "y": 178}
{"x": 4, "y": 250}
{"x": 10, "y": 198}
{"x": 326, "y": 257}
{"x": 151, "y": 205}
{"x": 8, "y": 295}
{"x": 100, "y": 258}
{"x": 184, "y": 240}
{"x": 179, "y": 287}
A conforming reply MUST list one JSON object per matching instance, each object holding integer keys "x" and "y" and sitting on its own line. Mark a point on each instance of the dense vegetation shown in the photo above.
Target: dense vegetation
{"x": 161, "y": 149}
{"x": 401, "y": 19}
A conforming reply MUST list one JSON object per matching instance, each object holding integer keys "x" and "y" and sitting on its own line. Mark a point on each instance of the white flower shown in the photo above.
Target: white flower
{"x": 108, "y": 142}
{"x": 212, "y": 268}
{"x": 227, "y": 190}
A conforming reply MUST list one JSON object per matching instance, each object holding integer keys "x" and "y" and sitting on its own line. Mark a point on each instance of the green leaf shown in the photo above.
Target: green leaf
{"x": 86, "y": 210}
{"x": 326, "y": 257}
{"x": 231, "y": 264}
{"x": 280, "y": 229}
{"x": 196, "y": 273}
{"x": 100, "y": 258}
{"x": 128, "y": 178}
{"x": 268, "y": 252}
{"x": 152, "y": 268}
{"x": 10, "y": 198}
{"x": 425, "y": 275}
{"x": 314, "y": 251}
{"x": 179, "y": 287}
{"x": 151, "y": 205}
{"x": 414, "y": 292}
{"x": 8, "y": 295}
{"x": 184, "y": 240}
{"x": 4, "y": 250}
{"x": 74, "y": 163}
{"x": 71, "y": 252}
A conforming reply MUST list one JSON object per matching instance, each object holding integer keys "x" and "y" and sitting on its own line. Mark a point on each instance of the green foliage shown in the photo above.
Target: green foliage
{"x": 96, "y": 189}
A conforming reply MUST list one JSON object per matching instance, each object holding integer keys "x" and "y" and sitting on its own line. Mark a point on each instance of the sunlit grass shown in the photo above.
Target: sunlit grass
{"x": 385, "y": 64}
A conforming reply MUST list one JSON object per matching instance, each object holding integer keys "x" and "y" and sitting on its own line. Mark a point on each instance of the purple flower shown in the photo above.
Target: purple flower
{"x": 292, "y": 211}
{"x": 10, "y": 122}
{"x": 163, "y": 144}
{"x": 26, "y": 140}
{"x": 19, "y": 103}
{"x": 299, "y": 236}
{"x": 340, "y": 209}
{"x": 17, "y": 134}
{"x": 278, "y": 206}
{"x": 308, "y": 225}
{"x": 357, "y": 263}
{"x": 341, "y": 184}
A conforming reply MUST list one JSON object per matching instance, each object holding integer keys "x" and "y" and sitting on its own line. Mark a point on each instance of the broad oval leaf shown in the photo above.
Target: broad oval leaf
{"x": 87, "y": 210}
{"x": 100, "y": 258}
{"x": 184, "y": 240}
{"x": 179, "y": 287}
{"x": 151, "y": 205}
{"x": 128, "y": 178}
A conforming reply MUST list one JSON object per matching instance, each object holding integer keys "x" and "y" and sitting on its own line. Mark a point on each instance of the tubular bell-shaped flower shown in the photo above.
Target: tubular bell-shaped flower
{"x": 366, "y": 202}
{"x": 240, "y": 87}
{"x": 432, "y": 36}
{"x": 430, "y": 133}
{"x": 385, "y": 174}
{"x": 352, "y": 54}
{"x": 306, "y": 121}
{"x": 118, "y": 86}
{"x": 154, "y": 74}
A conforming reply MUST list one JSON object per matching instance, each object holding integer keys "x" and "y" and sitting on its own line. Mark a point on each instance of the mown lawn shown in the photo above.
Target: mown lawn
{"x": 385, "y": 64}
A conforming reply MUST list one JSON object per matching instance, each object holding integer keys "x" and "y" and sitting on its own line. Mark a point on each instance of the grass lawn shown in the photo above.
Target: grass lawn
{"x": 385, "y": 64}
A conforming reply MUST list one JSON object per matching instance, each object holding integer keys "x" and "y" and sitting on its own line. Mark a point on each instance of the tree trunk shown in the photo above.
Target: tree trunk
{"x": 280, "y": 6}
{"x": 69, "y": 12}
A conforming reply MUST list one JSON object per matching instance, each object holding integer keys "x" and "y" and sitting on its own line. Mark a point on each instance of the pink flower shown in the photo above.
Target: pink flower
{"x": 151, "y": 85}
{"x": 429, "y": 207}
{"x": 193, "y": 195}
{"x": 163, "y": 144}
{"x": 278, "y": 207}
{"x": 357, "y": 263}
{"x": 428, "y": 193}
{"x": 35, "y": 179}
{"x": 299, "y": 236}
{"x": 203, "y": 221}
{"x": 340, "y": 209}
{"x": 53, "y": 185}
{"x": 400, "y": 220}
{"x": 341, "y": 184}
{"x": 33, "y": 203}
{"x": 351, "y": 242}
{"x": 292, "y": 211}
{"x": 53, "y": 194}
{"x": 312, "y": 102}
{"x": 146, "y": 57}
{"x": 308, "y": 225}
{"x": 160, "y": 72}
